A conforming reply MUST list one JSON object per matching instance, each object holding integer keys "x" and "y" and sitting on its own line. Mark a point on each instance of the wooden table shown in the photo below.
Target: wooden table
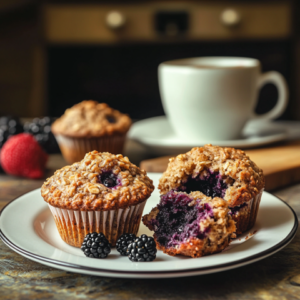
{"x": 276, "y": 277}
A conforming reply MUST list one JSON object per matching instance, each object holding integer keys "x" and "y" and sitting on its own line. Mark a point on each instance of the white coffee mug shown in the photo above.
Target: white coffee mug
{"x": 212, "y": 98}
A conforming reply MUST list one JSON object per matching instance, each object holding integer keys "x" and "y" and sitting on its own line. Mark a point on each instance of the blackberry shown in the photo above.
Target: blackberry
{"x": 40, "y": 128}
{"x": 9, "y": 126}
{"x": 142, "y": 249}
{"x": 123, "y": 241}
{"x": 108, "y": 179}
{"x": 111, "y": 119}
{"x": 96, "y": 245}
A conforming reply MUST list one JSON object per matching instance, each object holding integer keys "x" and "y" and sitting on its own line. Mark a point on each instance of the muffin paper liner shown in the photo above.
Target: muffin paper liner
{"x": 245, "y": 218}
{"x": 74, "y": 225}
{"x": 74, "y": 149}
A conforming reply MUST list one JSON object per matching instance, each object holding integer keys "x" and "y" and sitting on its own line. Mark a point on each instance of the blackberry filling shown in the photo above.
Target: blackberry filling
{"x": 211, "y": 185}
{"x": 177, "y": 221}
{"x": 109, "y": 179}
{"x": 111, "y": 119}
{"x": 234, "y": 210}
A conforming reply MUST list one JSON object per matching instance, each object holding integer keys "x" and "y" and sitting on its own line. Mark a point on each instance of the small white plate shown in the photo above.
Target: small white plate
{"x": 28, "y": 228}
{"x": 156, "y": 133}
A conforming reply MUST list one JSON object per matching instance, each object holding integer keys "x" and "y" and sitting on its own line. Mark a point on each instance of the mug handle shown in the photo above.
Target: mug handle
{"x": 283, "y": 93}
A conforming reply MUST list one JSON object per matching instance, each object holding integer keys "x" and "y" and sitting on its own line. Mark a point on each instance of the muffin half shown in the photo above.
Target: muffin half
{"x": 225, "y": 173}
{"x": 101, "y": 193}
{"x": 191, "y": 225}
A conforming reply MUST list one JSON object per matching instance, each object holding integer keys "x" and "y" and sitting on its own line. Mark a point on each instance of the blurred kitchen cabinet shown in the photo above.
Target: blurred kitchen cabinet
{"x": 109, "y": 51}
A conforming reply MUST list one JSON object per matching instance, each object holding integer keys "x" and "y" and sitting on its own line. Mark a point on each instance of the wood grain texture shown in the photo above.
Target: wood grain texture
{"x": 281, "y": 164}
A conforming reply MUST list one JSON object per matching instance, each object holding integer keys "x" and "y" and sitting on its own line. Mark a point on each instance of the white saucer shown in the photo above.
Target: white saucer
{"x": 27, "y": 227}
{"x": 156, "y": 133}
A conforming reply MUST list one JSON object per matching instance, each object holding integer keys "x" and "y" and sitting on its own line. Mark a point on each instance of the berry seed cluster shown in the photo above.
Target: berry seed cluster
{"x": 40, "y": 128}
{"x": 96, "y": 245}
{"x": 123, "y": 242}
{"x": 137, "y": 249}
{"x": 9, "y": 126}
{"x": 142, "y": 249}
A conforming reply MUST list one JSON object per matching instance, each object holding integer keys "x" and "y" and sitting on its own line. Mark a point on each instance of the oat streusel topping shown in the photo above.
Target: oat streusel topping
{"x": 91, "y": 119}
{"x": 79, "y": 186}
{"x": 243, "y": 178}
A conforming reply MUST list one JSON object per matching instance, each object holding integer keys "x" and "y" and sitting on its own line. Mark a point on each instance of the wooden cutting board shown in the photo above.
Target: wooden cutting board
{"x": 281, "y": 164}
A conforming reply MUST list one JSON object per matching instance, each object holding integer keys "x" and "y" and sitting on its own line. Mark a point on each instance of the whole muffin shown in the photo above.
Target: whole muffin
{"x": 101, "y": 193}
{"x": 89, "y": 126}
{"x": 225, "y": 173}
{"x": 190, "y": 224}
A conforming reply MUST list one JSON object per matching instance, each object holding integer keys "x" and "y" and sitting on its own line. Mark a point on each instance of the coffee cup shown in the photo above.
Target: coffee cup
{"x": 212, "y": 98}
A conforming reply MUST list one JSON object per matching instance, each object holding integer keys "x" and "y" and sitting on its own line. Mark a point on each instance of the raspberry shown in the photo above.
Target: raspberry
{"x": 22, "y": 156}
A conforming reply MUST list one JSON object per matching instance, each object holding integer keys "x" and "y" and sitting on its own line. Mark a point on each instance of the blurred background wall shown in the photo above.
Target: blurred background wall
{"x": 54, "y": 54}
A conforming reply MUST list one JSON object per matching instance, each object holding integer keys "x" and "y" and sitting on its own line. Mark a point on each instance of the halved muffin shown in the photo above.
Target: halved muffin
{"x": 192, "y": 225}
{"x": 222, "y": 172}
{"x": 203, "y": 193}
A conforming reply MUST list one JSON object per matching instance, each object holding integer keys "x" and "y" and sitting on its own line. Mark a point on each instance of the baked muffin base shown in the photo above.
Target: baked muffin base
{"x": 74, "y": 149}
{"x": 74, "y": 225}
{"x": 245, "y": 214}
{"x": 194, "y": 248}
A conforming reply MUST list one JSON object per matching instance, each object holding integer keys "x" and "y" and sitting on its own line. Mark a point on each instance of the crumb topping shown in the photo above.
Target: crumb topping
{"x": 91, "y": 119}
{"x": 101, "y": 181}
{"x": 244, "y": 180}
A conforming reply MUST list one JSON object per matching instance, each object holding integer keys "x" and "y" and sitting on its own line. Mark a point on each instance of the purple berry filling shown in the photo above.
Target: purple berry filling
{"x": 109, "y": 179}
{"x": 177, "y": 221}
{"x": 234, "y": 210}
{"x": 211, "y": 185}
{"x": 111, "y": 119}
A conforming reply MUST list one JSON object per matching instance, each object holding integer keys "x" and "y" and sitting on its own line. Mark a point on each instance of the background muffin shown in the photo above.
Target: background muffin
{"x": 227, "y": 173}
{"x": 89, "y": 126}
{"x": 103, "y": 193}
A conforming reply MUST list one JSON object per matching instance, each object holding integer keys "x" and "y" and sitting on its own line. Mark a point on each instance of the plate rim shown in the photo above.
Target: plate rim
{"x": 241, "y": 262}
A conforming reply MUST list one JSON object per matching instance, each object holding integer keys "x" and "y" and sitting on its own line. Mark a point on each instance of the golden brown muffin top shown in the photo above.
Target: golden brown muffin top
{"x": 91, "y": 119}
{"x": 242, "y": 177}
{"x": 101, "y": 181}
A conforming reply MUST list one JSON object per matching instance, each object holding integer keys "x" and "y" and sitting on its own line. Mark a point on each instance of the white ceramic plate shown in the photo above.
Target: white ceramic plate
{"x": 156, "y": 133}
{"x": 28, "y": 228}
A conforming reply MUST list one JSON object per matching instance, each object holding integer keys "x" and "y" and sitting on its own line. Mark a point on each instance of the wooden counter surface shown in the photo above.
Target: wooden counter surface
{"x": 276, "y": 277}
